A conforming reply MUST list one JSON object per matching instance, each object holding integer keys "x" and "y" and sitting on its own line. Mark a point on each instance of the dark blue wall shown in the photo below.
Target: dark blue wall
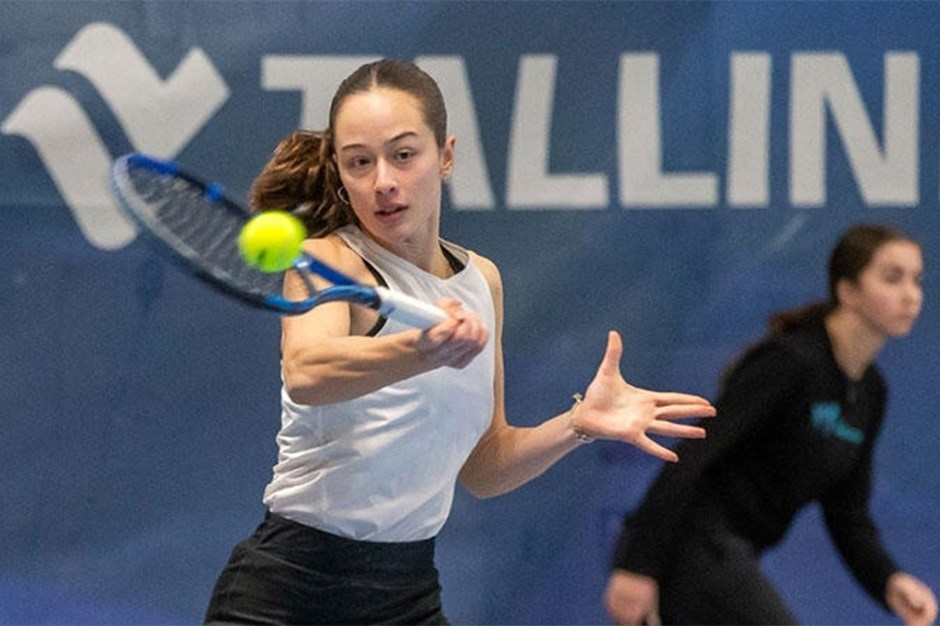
{"x": 140, "y": 408}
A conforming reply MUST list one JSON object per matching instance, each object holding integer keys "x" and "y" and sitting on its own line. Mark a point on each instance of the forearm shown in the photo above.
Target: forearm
{"x": 848, "y": 518}
{"x": 860, "y": 546}
{"x": 508, "y": 457}
{"x": 344, "y": 368}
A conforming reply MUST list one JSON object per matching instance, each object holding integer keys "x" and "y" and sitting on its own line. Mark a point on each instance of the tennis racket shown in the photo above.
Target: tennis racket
{"x": 198, "y": 226}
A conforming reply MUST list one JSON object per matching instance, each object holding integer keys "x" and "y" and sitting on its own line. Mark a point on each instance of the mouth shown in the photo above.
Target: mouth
{"x": 390, "y": 211}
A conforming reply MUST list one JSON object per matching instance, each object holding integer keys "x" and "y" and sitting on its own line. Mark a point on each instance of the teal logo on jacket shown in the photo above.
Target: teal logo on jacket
{"x": 827, "y": 418}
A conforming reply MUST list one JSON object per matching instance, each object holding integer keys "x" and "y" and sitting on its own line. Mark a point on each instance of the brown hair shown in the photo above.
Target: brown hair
{"x": 302, "y": 176}
{"x": 851, "y": 255}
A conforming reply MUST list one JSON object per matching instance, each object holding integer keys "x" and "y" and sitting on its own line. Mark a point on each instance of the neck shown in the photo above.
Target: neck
{"x": 854, "y": 345}
{"x": 423, "y": 252}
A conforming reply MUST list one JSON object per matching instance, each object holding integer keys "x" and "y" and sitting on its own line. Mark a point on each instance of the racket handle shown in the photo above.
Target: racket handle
{"x": 409, "y": 310}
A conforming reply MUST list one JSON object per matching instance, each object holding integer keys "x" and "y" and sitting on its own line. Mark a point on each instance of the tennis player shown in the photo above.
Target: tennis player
{"x": 800, "y": 415}
{"x": 380, "y": 420}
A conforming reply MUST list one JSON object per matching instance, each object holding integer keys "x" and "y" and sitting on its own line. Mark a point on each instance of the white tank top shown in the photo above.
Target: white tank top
{"x": 383, "y": 467}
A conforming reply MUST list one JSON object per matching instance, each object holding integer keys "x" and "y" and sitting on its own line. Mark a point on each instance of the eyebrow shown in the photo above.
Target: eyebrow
{"x": 891, "y": 266}
{"x": 398, "y": 137}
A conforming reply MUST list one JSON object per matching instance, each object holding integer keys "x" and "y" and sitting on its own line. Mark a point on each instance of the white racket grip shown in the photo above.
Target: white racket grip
{"x": 409, "y": 310}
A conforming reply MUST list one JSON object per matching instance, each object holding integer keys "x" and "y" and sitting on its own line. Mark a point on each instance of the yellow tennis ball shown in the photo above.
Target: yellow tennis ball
{"x": 270, "y": 241}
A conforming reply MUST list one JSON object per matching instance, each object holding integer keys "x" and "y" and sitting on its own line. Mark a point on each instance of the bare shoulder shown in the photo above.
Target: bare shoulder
{"x": 330, "y": 248}
{"x": 333, "y": 251}
{"x": 490, "y": 272}
{"x": 485, "y": 265}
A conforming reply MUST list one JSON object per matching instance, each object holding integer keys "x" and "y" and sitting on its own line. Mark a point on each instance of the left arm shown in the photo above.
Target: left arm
{"x": 852, "y": 529}
{"x": 507, "y": 457}
{"x": 848, "y": 519}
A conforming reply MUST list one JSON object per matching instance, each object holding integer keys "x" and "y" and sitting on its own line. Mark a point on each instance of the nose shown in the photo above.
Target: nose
{"x": 385, "y": 182}
{"x": 914, "y": 292}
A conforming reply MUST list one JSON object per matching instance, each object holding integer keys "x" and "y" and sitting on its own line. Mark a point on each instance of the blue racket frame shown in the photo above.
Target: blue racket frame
{"x": 147, "y": 187}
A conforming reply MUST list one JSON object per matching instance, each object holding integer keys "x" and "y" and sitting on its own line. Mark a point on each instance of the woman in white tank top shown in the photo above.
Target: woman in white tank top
{"x": 353, "y": 513}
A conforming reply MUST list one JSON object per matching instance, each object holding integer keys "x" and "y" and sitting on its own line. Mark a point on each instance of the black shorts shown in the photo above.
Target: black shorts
{"x": 289, "y": 573}
{"x": 717, "y": 578}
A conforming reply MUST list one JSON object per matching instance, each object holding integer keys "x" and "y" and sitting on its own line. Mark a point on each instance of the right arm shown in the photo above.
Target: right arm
{"x": 507, "y": 457}
{"x": 327, "y": 358}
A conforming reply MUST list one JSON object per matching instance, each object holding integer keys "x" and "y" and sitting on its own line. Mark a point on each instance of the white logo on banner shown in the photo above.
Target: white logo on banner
{"x": 159, "y": 116}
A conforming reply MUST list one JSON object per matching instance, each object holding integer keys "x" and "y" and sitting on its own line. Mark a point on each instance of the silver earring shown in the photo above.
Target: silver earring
{"x": 343, "y": 195}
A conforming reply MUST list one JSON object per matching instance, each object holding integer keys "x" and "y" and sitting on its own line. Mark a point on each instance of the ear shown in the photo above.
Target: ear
{"x": 846, "y": 292}
{"x": 448, "y": 157}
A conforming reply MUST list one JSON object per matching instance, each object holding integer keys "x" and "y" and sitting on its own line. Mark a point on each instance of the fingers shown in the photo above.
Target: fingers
{"x": 680, "y": 406}
{"x": 610, "y": 365}
{"x": 665, "y": 398}
{"x": 912, "y": 600}
{"x": 632, "y": 598}
{"x": 684, "y": 411}
{"x": 649, "y": 446}
{"x": 449, "y": 305}
{"x": 682, "y": 431}
{"x": 920, "y": 607}
{"x": 455, "y": 341}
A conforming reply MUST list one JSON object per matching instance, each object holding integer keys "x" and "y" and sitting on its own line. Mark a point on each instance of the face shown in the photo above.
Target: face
{"x": 391, "y": 165}
{"x": 888, "y": 294}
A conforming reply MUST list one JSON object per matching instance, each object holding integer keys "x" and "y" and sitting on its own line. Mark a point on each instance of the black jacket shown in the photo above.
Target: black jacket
{"x": 791, "y": 429}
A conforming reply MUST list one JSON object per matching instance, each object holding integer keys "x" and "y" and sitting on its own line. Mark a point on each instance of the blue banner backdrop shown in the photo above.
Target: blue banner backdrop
{"x": 672, "y": 170}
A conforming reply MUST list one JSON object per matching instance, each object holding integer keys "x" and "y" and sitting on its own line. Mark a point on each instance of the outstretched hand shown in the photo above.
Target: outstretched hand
{"x": 614, "y": 409}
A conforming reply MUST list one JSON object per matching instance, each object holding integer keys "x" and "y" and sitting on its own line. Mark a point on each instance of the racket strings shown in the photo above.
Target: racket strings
{"x": 212, "y": 233}
{"x": 199, "y": 227}
{"x": 203, "y": 229}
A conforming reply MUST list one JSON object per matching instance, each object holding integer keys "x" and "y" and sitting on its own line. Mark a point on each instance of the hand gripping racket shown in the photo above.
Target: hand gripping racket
{"x": 198, "y": 226}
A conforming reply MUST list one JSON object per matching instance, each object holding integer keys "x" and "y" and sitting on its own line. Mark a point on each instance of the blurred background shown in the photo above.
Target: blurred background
{"x": 673, "y": 170}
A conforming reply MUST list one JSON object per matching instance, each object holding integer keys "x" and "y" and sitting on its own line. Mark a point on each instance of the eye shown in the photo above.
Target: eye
{"x": 892, "y": 275}
{"x": 404, "y": 155}
{"x": 357, "y": 162}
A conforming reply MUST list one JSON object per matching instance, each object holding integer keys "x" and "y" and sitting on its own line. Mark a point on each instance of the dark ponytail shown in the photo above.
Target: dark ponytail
{"x": 301, "y": 177}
